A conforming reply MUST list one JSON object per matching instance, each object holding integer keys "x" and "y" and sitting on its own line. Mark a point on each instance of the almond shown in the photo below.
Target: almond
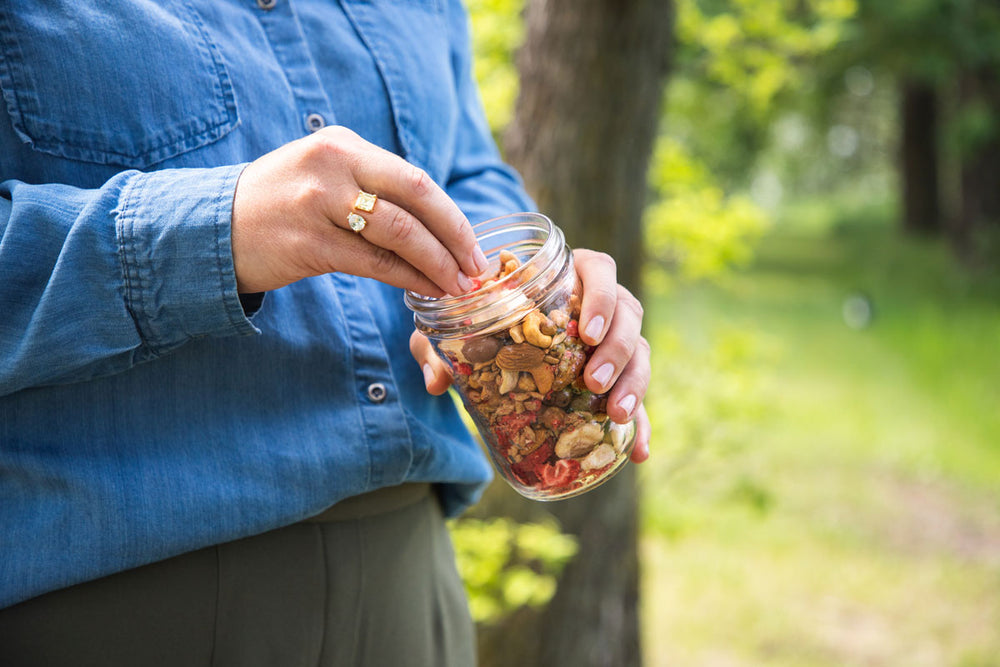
{"x": 520, "y": 357}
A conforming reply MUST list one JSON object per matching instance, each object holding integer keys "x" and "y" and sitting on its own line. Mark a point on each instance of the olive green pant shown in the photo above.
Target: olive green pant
{"x": 346, "y": 588}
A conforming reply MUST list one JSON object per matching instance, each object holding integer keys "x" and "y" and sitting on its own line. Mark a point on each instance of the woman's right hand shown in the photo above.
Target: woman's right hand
{"x": 290, "y": 219}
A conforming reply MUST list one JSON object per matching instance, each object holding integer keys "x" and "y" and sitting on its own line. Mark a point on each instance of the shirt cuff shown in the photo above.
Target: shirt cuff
{"x": 174, "y": 231}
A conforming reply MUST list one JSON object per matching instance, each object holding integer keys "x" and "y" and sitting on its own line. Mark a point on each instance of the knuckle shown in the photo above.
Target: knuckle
{"x": 604, "y": 293}
{"x": 607, "y": 260}
{"x": 599, "y": 258}
{"x": 384, "y": 262}
{"x": 420, "y": 182}
{"x": 309, "y": 194}
{"x": 632, "y": 303}
{"x": 619, "y": 347}
{"x": 401, "y": 225}
{"x": 338, "y": 134}
{"x": 643, "y": 346}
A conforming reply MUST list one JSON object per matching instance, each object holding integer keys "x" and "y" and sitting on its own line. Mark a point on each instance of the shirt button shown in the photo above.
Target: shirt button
{"x": 377, "y": 392}
{"x": 267, "y": 4}
{"x": 314, "y": 121}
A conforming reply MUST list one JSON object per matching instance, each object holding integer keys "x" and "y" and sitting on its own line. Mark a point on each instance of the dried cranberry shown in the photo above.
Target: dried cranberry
{"x": 562, "y": 473}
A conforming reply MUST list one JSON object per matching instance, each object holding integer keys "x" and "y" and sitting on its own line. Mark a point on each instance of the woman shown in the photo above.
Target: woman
{"x": 214, "y": 447}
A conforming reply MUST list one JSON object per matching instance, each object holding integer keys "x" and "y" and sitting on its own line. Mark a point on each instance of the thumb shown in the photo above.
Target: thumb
{"x": 437, "y": 379}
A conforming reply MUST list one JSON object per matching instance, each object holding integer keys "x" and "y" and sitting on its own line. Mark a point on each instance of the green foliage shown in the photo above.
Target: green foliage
{"x": 497, "y": 31}
{"x": 693, "y": 228}
{"x": 930, "y": 40}
{"x": 506, "y": 565}
{"x": 758, "y": 48}
{"x": 845, "y": 475}
{"x": 740, "y": 65}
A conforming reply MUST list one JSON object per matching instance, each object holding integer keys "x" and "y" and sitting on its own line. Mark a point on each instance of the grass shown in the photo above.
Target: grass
{"x": 821, "y": 494}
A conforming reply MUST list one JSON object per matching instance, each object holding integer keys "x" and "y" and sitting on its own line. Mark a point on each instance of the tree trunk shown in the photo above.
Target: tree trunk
{"x": 919, "y": 159}
{"x": 592, "y": 77}
{"x": 976, "y": 232}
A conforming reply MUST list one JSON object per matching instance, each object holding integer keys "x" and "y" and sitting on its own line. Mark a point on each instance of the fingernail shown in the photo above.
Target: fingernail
{"x": 480, "y": 260}
{"x": 594, "y": 328}
{"x": 428, "y": 374}
{"x": 465, "y": 282}
{"x": 627, "y": 404}
{"x": 604, "y": 373}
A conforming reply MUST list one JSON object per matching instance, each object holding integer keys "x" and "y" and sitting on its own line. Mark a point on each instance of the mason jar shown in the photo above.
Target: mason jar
{"x": 515, "y": 353}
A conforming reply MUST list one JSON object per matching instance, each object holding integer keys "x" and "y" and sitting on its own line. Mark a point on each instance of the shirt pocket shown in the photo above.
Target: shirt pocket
{"x": 410, "y": 44}
{"x": 117, "y": 83}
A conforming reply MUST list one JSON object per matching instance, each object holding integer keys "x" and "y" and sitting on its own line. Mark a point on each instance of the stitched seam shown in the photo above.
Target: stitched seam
{"x": 219, "y": 260}
{"x": 188, "y": 134}
{"x": 8, "y": 74}
{"x": 126, "y": 257}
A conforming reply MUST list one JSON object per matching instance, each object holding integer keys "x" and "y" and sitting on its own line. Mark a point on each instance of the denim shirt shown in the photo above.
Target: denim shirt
{"x": 143, "y": 412}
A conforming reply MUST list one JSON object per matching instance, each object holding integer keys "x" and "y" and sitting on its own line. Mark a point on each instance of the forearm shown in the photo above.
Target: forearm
{"x": 95, "y": 281}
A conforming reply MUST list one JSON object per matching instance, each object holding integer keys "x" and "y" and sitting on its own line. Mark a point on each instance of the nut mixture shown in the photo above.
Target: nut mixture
{"x": 524, "y": 387}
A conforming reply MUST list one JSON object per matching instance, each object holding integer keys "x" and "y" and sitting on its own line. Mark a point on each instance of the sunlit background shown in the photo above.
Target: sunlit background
{"x": 825, "y": 480}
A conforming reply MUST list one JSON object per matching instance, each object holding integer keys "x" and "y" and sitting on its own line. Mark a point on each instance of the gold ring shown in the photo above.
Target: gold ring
{"x": 356, "y": 222}
{"x": 365, "y": 201}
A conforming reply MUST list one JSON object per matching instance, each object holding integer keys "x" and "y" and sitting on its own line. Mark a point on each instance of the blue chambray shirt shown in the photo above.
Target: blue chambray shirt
{"x": 142, "y": 412}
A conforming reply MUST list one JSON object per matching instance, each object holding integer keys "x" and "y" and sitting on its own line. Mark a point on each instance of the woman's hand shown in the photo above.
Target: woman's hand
{"x": 290, "y": 219}
{"x": 611, "y": 320}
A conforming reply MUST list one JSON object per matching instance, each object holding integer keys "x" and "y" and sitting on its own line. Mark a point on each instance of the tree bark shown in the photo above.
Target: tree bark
{"x": 592, "y": 78}
{"x": 919, "y": 159}
{"x": 976, "y": 231}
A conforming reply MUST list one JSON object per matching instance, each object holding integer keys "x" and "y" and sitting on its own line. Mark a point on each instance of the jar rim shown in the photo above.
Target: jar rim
{"x": 447, "y": 315}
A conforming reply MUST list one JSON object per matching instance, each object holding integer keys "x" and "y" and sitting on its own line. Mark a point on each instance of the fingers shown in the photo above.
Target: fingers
{"x": 629, "y": 391}
{"x": 437, "y": 379}
{"x": 643, "y": 434}
{"x": 618, "y": 349}
{"x": 346, "y": 252}
{"x": 410, "y": 188}
{"x": 611, "y": 319}
{"x": 397, "y": 230}
{"x": 599, "y": 277}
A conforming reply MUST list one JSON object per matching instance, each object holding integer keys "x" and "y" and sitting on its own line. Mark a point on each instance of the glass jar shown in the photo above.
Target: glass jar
{"x": 517, "y": 360}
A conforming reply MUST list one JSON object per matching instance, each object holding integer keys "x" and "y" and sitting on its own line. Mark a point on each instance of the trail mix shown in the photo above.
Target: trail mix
{"x": 524, "y": 386}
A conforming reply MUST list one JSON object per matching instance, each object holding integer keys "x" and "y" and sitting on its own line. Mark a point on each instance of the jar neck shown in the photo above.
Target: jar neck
{"x": 546, "y": 262}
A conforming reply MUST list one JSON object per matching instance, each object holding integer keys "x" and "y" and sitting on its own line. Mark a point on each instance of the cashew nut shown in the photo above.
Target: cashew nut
{"x": 621, "y": 435}
{"x": 532, "y": 332}
{"x": 580, "y": 441}
{"x": 601, "y": 456}
{"x": 508, "y": 380}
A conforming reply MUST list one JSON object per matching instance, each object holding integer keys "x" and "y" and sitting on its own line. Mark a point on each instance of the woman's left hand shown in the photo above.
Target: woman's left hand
{"x": 610, "y": 320}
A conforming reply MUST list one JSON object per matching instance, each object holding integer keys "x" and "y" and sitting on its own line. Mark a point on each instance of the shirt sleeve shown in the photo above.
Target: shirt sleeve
{"x": 95, "y": 281}
{"x": 480, "y": 182}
